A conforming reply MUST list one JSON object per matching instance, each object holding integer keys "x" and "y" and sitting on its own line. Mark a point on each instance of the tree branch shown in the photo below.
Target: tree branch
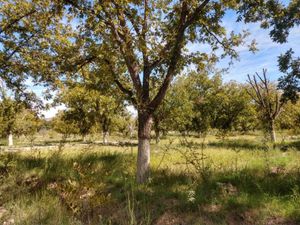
{"x": 13, "y": 22}
{"x": 184, "y": 22}
{"x": 126, "y": 91}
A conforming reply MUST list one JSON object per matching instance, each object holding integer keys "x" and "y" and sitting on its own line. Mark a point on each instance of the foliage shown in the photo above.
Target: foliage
{"x": 28, "y": 124}
{"x": 8, "y": 110}
{"x": 290, "y": 117}
{"x": 225, "y": 107}
{"x": 176, "y": 111}
{"x": 63, "y": 126}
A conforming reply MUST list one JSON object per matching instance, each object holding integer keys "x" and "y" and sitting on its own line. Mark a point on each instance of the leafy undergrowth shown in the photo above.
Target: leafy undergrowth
{"x": 97, "y": 187}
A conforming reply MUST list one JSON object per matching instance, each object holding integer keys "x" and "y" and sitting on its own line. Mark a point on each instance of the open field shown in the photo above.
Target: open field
{"x": 235, "y": 181}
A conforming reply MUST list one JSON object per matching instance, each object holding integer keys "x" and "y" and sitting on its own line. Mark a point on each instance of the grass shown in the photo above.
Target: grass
{"x": 243, "y": 184}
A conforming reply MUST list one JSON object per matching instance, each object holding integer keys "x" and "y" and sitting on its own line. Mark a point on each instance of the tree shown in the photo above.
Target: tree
{"x": 8, "y": 110}
{"x": 17, "y": 117}
{"x": 28, "y": 124}
{"x": 63, "y": 126}
{"x": 142, "y": 59}
{"x": 225, "y": 107}
{"x": 87, "y": 109}
{"x": 290, "y": 83}
{"x": 232, "y": 104}
{"x": 267, "y": 98}
{"x": 176, "y": 110}
{"x": 290, "y": 117}
{"x": 203, "y": 90}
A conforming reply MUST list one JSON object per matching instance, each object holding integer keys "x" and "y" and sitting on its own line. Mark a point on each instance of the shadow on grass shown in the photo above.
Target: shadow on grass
{"x": 238, "y": 144}
{"x": 233, "y": 197}
{"x": 253, "y": 145}
{"x": 295, "y": 145}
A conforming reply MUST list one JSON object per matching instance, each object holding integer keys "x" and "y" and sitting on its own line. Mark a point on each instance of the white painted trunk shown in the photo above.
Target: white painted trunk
{"x": 10, "y": 140}
{"x": 143, "y": 160}
{"x": 272, "y": 132}
{"x": 105, "y": 137}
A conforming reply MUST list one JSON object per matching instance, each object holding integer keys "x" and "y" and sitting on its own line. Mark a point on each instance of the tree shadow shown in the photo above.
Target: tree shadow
{"x": 233, "y": 197}
{"x": 238, "y": 144}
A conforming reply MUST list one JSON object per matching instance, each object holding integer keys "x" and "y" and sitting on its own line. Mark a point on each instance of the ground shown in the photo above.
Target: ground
{"x": 238, "y": 180}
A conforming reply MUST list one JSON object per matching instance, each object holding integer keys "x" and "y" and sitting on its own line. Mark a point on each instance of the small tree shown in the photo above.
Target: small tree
{"x": 28, "y": 124}
{"x": 175, "y": 112}
{"x": 267, "y": 98}
{"x": 232, "y": 105}
{"x": 289, "y": 119}
{"x": 8, "y": 111}
{"x": 63, "y": 126}
{"x": 202, "y": 91}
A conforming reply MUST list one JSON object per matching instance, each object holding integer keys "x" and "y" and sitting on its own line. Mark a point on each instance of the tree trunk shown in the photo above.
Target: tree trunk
{"x": 272, "y": 132}
{"x": 105, "y": 121}
{"x": 10, "y": 140}
{"x": 105, "y": 137}
{"x": 144, "y": 136}
{"x": 157, "y": 136}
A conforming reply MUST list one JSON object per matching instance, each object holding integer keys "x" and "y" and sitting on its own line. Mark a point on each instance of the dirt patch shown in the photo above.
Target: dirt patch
{"x": 169, "y": 218}
{"x": 3, "y": 211}
{"x": 280, "y": 221}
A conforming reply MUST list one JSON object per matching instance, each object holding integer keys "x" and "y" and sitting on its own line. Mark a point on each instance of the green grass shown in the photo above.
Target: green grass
{"x": 237, "y": 183}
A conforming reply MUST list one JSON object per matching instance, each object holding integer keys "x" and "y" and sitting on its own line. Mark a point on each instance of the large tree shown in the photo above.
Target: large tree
{"x": 144, "y": 43}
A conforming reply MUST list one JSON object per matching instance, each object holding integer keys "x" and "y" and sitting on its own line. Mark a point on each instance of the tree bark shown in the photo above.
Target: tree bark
{"x": 157, "y": 136}
{"x": 10, "y": 140}
{"x": 144, "y": 136}
{"x": 105, "y": 121}
{"x": 272, "y": 132}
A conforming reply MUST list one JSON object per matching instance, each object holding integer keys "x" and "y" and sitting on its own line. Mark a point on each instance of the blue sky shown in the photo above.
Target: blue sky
{"x": 249, "y": 63}
{"x": 267, "y": 55}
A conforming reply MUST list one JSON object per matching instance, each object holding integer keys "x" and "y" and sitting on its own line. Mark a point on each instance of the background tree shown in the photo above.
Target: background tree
{"x": 8, "y": 110}
{"x": 289, "y": 119}
{"x": 63, "y": 126}
{"x": 218, "y": 105}
{"x": 28, "y": 124}
{"x": 233, "y": 108}
{"x": 15, "y": 112}
{"x": 202, "y": 91}
{"x": 267, "y": 98}
{"x": 89, "y": 106}
{"x": 176, "y": 110}
{"x": 79, "y": 110}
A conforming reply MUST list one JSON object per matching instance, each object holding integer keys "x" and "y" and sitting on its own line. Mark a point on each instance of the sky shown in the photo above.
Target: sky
{"x": 248, "y": 63}
{"x": 267, "y": 55}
